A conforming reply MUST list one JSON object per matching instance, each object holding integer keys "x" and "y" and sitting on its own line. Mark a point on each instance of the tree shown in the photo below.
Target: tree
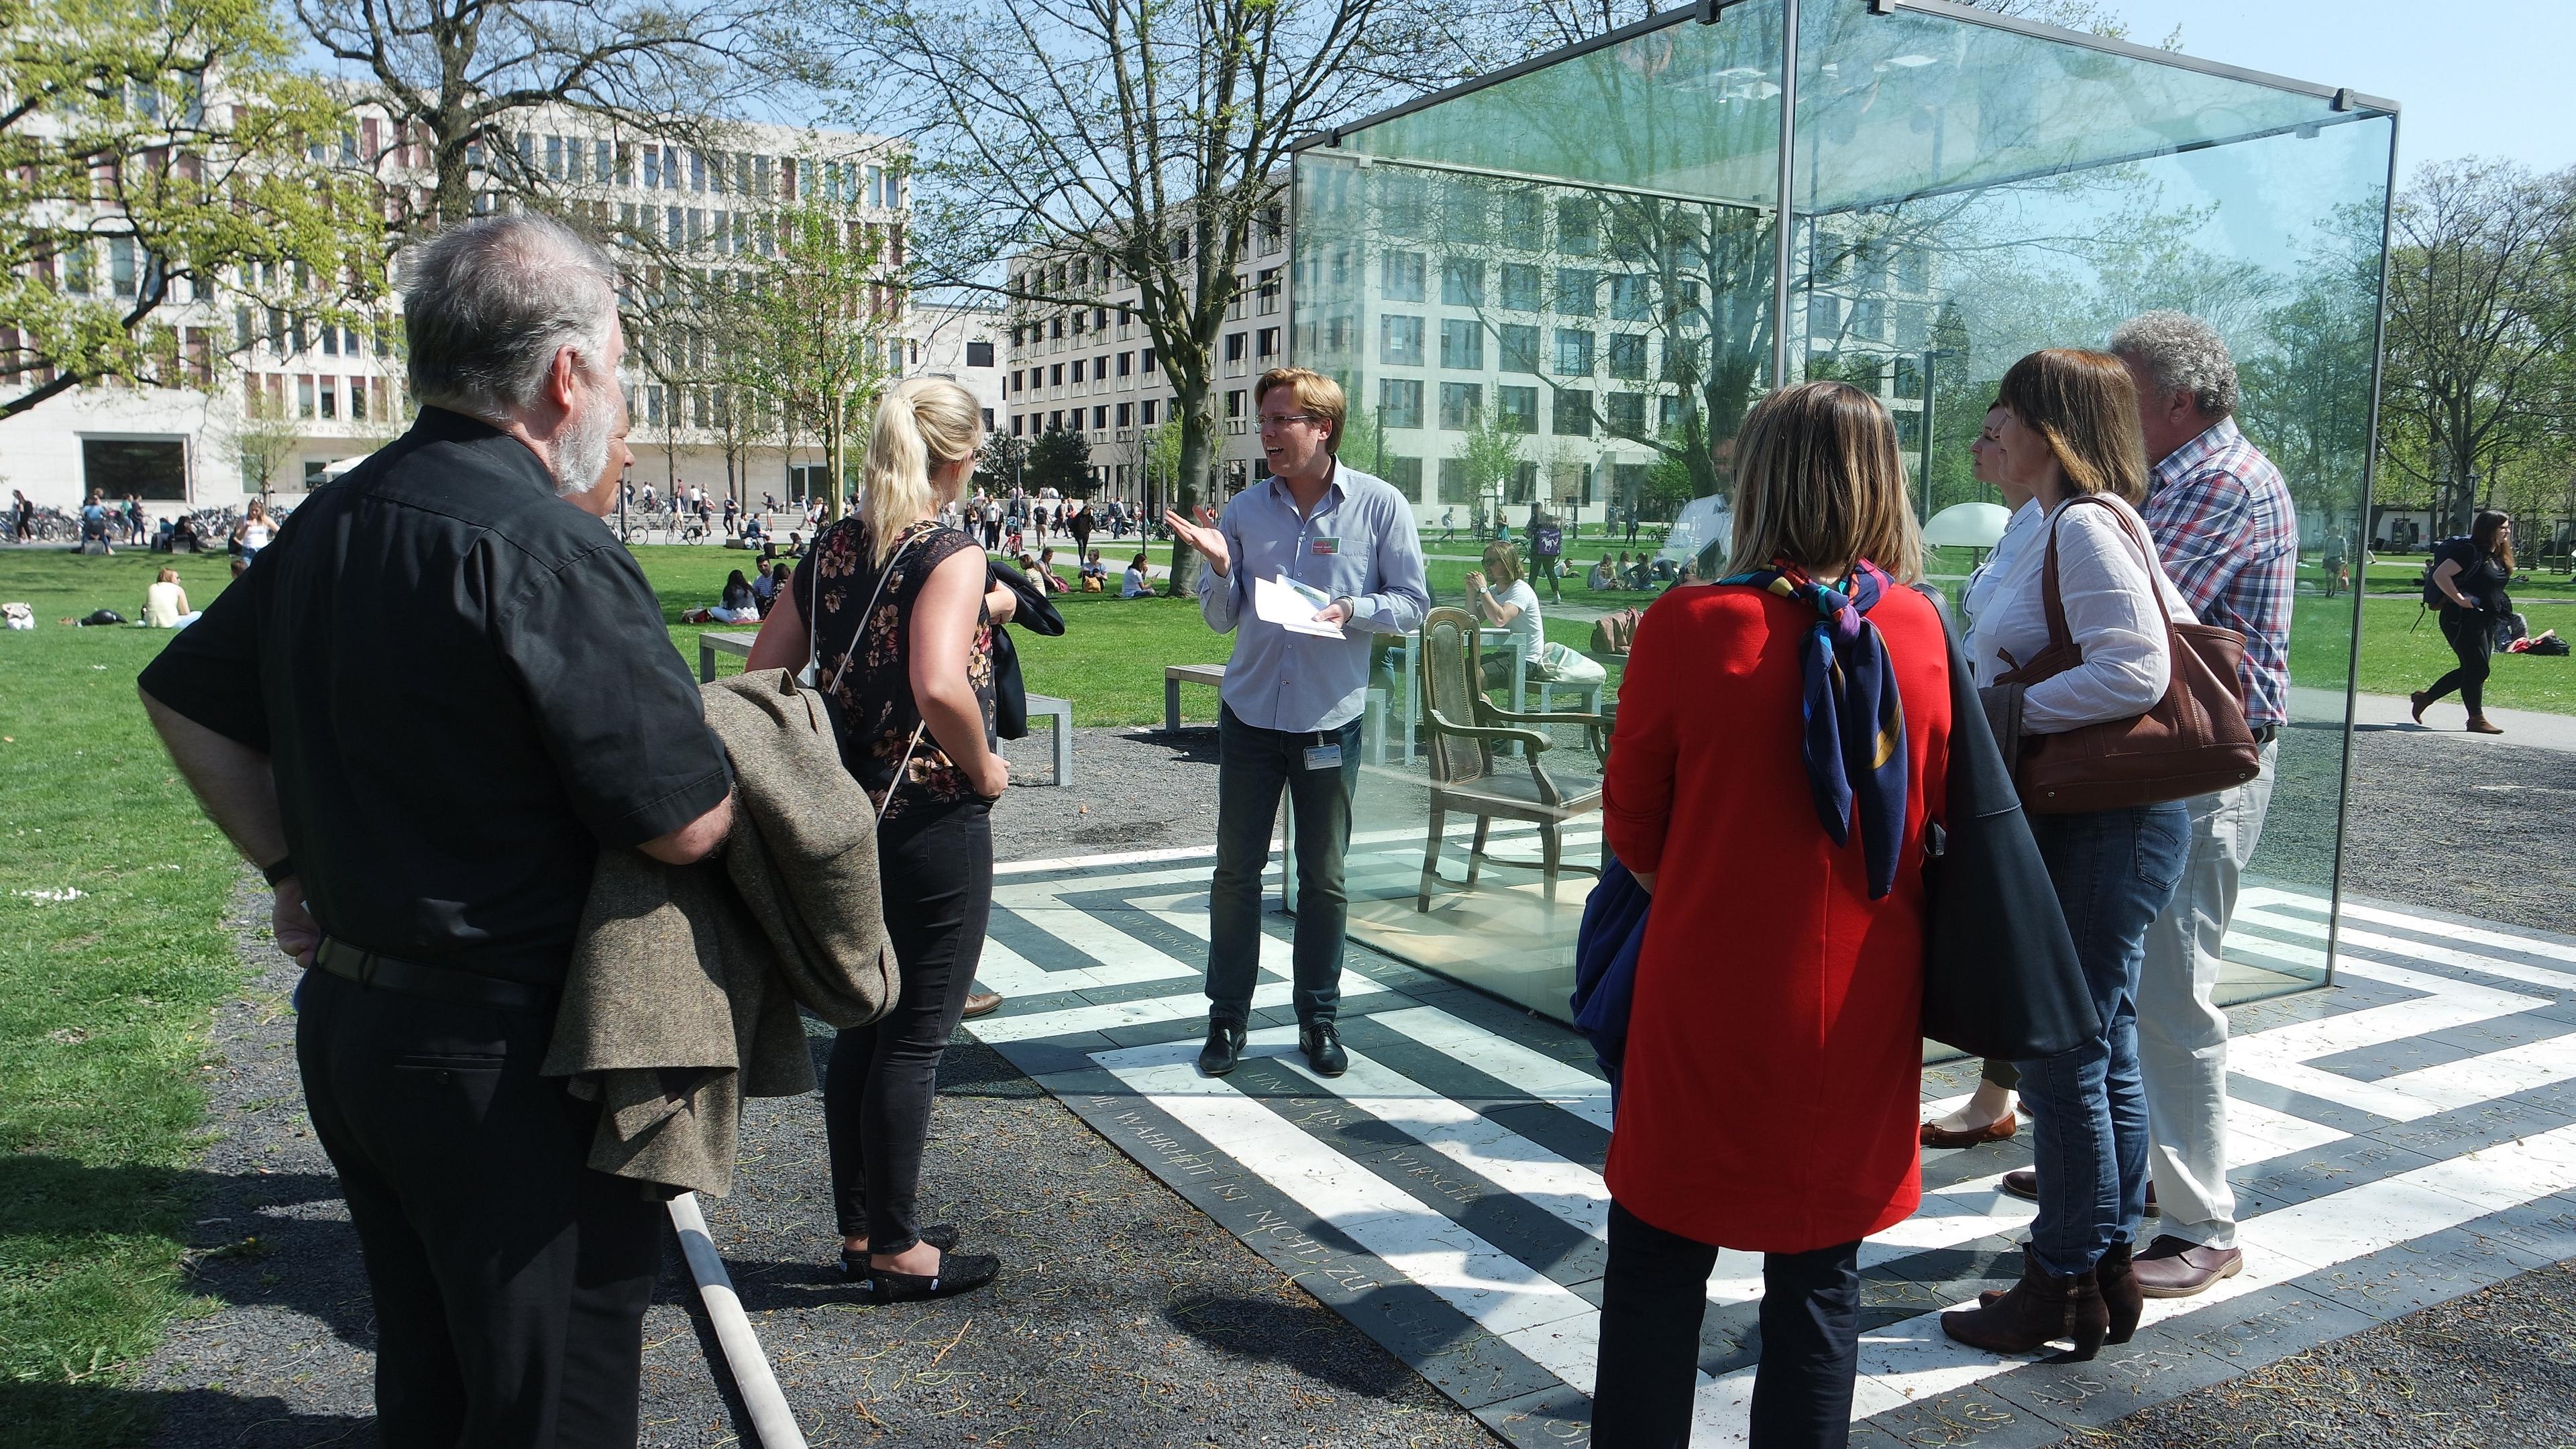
{"x": 1145, "y": 136}
{"x": 264, "y": 439}
{"x": 824, "y": 306}
{"x": 1061, "y": 460}
{"x": 453, "y": 75}
{"x": 1003, "y": 461}
{"x": 2481, "y": 312}
{"x": 151, "y": 155}
{"x": 1490, "y": 454}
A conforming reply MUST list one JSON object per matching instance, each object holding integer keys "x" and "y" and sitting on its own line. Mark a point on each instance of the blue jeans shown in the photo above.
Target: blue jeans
{"x": 1254, "y": 765}
{"x": 2114, "y": 870}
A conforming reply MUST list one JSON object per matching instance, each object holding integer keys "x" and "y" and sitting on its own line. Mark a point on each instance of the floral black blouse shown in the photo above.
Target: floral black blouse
{"x": 874, "y": 693}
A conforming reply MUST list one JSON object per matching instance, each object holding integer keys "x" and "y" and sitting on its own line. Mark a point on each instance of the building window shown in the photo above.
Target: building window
{"x": 1077, "y": 372}
{"x": 1055, "y": 374}
{"x": 1269, "y": 291}
{"x": 1577, "y": 290}
{"x": 1573, "y": 412}
{"x": 1126, "y": 364}
{"x": 330, "y": 397}
{"x": 1404, "y": 475}
{"x": 1454, "y": 487}
{"x": 1462, "y": 344}
{"x": 1631, "y": 298}
{"x": 1268, "y": 343}
{"x": 1126, "y": 415}
{"x": 1019, "y": 426}
{"x": 1524, "y": 219}
{"x": 1628, "y": 354}
{"x": 1869, "y": 319}
{"x": 1462, "y": 282}
{"x": 1147, "y": 365}
{"x": 1149, "y": 411}
{"x": 1625, "y": 414}
{"x": 1578, "y": 227}
{"x": 1400, "y": 341}
{"x": 357, "y": 399}
{"x": 652, "y": 168}
{"x": 1234, "y": 345}
{"x": 1517, "y": 407}
{"x": 1573, "y": 352}
{"x": 1520, "y": 287}
{"x": 1234, "y": 403}
{"x": 304, "y": 397}
{"x": 1100, "y": 416}
{"x": 1460, "y": 402}
{"x": 1399, "y": 402}
{"x": 1520, "y": 347}
{"x": 979, "y": 354}
{"x": 1400, "y": 277}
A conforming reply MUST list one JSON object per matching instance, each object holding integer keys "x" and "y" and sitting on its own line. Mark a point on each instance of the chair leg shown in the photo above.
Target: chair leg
{"x": 1551, "y": 845}
{"x": 1430, "y": 859}
{"x": 1476, "y": 852}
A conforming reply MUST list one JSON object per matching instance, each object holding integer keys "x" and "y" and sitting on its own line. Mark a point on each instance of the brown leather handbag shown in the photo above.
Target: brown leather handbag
{"x": 2193, "y": 741}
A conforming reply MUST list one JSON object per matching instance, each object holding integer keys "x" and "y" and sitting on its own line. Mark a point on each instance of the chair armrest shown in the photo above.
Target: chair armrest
{"x": 1531, "y": 716}
{"x": 1532, "y": 738}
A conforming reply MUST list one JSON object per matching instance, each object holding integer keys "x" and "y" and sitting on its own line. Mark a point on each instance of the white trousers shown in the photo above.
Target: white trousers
{"x": 2182, "y": 1034}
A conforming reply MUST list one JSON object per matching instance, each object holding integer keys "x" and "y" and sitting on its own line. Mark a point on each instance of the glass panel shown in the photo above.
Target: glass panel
{"x": 1592, "y": 247}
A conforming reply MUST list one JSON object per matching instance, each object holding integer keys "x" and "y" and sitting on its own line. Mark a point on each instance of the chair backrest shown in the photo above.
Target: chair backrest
{"x": 1452, "y": 688}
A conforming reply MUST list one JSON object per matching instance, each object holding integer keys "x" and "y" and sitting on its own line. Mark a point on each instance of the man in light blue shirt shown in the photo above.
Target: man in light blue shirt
{"x": 1290, "y": 717}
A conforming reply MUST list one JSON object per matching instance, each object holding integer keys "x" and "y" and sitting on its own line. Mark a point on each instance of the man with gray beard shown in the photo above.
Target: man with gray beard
{"x": 422, "y": 712}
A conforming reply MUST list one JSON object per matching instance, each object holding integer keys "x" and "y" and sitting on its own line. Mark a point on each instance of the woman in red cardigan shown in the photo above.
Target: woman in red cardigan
{"x": 1779, "y": 732}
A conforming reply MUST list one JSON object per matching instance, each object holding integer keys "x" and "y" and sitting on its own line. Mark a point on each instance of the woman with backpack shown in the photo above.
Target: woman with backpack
{"x": 2467, "y": 584}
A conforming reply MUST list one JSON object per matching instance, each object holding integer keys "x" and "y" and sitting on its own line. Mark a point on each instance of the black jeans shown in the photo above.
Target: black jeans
{"x": 2472, "y": 638}
{"x": 937, "y": 873}
{"x": 1653, "y": 1293}
{"x": 1254, "y": 766}
{"x": 510, "y": 1280}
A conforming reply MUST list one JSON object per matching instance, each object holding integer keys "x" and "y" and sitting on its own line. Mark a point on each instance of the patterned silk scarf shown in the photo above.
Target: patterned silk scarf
{"x": 1855, "y": 719}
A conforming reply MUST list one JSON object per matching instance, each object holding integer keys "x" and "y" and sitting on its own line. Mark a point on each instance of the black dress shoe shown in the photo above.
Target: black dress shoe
{"x": 1321, "y": 1041}
{"x": 958, "y": 1273}
{"x": 1223, "y": 1050}
{"x": 942, "y": 1236}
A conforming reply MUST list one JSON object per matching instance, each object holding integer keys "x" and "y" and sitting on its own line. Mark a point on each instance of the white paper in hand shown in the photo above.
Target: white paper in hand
{"x": 1292, "y": 606}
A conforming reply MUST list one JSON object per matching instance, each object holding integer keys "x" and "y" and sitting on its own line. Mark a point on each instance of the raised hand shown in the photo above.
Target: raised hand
{"x": 1203, "y": 536}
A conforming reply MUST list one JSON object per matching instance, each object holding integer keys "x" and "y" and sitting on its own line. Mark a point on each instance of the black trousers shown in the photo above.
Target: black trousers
{"x": 510, "y": 1281}
{"x": 1652, "y": 1297}
{"x": 936, "y": 866}
{"x": 2472, "y": 638}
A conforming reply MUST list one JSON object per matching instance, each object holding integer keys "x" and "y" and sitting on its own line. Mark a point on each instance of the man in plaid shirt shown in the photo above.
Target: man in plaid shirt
{"x": 2223, "y": 520}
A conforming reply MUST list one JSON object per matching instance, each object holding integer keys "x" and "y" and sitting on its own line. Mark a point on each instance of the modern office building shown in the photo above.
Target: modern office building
{"x": 291, "y": 394}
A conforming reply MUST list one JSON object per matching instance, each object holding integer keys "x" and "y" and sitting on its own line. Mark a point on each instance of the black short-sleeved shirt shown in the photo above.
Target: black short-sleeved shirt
{"x": 465, "y": 687}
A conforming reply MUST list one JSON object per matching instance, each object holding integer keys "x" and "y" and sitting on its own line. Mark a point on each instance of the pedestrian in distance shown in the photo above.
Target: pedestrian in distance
{"x": 1288, "y": 721}
{"x": 2468, "y": 577}
{"x": 427, "y": 797}
{"x": 1809, "y": 865}
{"x": 902, "y": 639}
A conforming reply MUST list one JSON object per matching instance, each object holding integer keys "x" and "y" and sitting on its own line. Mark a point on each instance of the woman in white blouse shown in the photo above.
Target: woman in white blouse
{"x": 2069, "y": 432}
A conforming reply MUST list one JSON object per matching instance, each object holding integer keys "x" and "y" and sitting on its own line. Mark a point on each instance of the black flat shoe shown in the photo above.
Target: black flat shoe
{"x": 942, "y": 1236}
{"x": 958, "y": 1273}
{"x": 1224, "y": 1049}
{"x": 1321, "y": 1041}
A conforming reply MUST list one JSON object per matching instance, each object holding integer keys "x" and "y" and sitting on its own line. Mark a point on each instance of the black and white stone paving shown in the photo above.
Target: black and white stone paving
{"x": 2402, "y": 1139}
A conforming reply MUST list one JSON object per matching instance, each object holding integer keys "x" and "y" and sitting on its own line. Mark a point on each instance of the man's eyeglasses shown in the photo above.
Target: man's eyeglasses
{"x": 1281, "y": 420}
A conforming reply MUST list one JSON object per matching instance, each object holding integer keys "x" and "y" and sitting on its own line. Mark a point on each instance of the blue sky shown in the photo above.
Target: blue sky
{"x": 2474, "y": 78}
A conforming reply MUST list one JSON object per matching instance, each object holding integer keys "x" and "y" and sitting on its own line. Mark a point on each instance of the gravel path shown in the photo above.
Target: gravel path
{"x": 1126, "y": 1316}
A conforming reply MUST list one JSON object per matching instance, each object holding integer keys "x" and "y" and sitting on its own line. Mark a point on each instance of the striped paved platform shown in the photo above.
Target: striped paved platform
{"x": 2405, "y": 1138}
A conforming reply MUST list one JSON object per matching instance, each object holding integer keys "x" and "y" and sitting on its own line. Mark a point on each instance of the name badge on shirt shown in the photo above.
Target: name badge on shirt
{"x": 1323, "y": 757}
{"x": 1327, "y": 545}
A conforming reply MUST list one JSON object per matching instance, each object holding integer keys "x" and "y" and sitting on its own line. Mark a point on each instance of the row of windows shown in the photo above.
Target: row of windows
{"x": 1402, "y": 342}
{"x": 1572, "y": 412}
{"x": 1265, "y": 292}
{"x": 321, "y": 397}
{"x": 1127, "y": 413}
{"x": 1129, "y": 364}
{"x": 1523, "y": 287}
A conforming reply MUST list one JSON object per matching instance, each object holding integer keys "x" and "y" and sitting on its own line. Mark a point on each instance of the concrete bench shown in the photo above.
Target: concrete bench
{"x": 1059, "y": 718}
{"x": 711, "y": 644}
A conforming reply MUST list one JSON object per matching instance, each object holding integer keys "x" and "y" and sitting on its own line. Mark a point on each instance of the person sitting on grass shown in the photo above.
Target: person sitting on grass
{"x": 1095, "y": 574}
{"x": 165, "y": 603}
{"x": 778, "y": 581}
{"x": 1046, "y": 577}
{"x": 1600, "y": 577}
{"x": 740, "y": 605}
{"x": 1135, "y": 585}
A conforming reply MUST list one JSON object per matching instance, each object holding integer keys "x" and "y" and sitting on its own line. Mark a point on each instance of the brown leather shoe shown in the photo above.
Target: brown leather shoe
{"x": 2023, "y": 1182}
{"x": 981, "y": 1003}
{"x": 2174, "y": 1267}
{"x": 2040, "y": 1308}
{"x": 2421, "y": 701}
{"x": 1935, "y": 1135}
{"x": 2478, "y": 726}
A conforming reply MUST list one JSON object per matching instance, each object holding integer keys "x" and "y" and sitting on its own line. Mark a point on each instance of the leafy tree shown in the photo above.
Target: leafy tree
{"x": 1002, "y": 462}
{"x": 1490, "y": 453}
{"x": 264, "y": 439}
{"x": 1060, "y": 459}
{"x": 151, "y": 155}
{"x": 822, "y": 310}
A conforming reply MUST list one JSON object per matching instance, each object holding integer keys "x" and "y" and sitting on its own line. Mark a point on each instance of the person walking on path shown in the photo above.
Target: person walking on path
{"x": 1547, "y": 547}
{"x": 2227, "y": 534}
{"x": 1078, "y": 521}
{"x": 428, "y": 796}
{"x": 2469, "y": 575}
{"x": 1808, "y": 864}
{"x": 2070, "y": 435}
{"x": 1289, "y": 716}
{"x": 22, "y": 516}
{"x": 903, "y": 642}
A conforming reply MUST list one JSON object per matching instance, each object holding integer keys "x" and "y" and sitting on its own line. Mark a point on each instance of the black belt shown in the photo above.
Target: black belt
{"x": 2265, "y": 734}
{"x": 437, "y": 982}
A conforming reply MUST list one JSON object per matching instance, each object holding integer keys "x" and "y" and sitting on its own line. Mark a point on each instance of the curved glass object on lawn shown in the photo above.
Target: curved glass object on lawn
{"x": 1566, "y": 283}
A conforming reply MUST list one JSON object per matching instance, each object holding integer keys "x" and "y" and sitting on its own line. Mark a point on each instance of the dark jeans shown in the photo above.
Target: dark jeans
{"x": 1547, "y": 569}
{"x": 509, "y": 1280}
{"x": 1254, "y": 766}
{"x": 937, "y": 873}
{"x": 1653, "y": 1294}
{"x": 2472, "y": 638}
{"x": 2113, "y": 870}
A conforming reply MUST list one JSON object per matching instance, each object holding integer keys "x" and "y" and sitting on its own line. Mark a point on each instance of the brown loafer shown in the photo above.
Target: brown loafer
{"x": 2174, "y": 1267}
{"x": 981, "y": 1003}
{"x": 2023, "y": 1182}
{"x": 2421, "y": 701}
{"x": 1935, "y": 1135}
{"x": 2479, "y": 726}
